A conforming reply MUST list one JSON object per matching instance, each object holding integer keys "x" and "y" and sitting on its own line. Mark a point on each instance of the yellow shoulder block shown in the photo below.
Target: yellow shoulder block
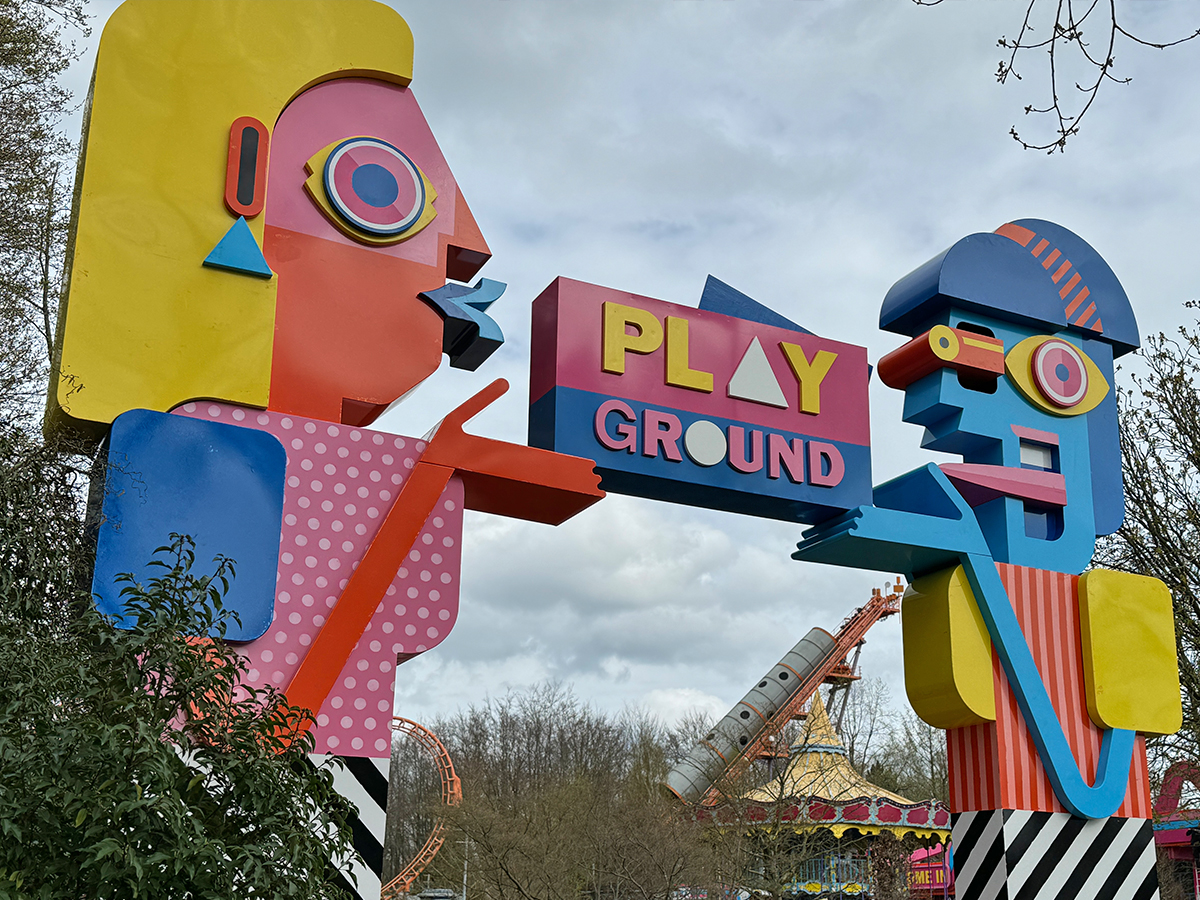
{"x": 947, "y": 652}
{"x": 1130, "y": 672}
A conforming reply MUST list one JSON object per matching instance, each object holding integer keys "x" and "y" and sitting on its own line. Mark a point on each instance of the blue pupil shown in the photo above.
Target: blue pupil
{"x": 375, "y": 185}
{"x": 1061, "y": 372}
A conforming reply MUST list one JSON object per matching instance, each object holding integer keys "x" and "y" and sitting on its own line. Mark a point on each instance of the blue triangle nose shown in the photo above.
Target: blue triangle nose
{"x": 238, "y": 251}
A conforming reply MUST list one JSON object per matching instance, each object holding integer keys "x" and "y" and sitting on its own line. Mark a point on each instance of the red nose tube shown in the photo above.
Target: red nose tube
{"x": 939, "y": 347}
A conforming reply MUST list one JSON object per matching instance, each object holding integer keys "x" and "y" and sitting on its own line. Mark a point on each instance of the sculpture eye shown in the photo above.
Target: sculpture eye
{"x": 1056, "y": 376}
{"x": 371, "y": 190}
{"x": 374, "y": 186}
{"x": 1060, "y": 373}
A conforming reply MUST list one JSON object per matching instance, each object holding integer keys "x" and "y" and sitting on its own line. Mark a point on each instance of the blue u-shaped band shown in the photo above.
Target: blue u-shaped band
{"x": 1096, "y": 801}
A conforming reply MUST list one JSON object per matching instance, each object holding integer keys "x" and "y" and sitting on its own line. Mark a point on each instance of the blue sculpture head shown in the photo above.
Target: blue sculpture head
{"x": 1011, "y": 367}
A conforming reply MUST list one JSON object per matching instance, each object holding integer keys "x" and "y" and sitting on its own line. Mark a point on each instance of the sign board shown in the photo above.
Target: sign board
{"x": 750, "y": 415}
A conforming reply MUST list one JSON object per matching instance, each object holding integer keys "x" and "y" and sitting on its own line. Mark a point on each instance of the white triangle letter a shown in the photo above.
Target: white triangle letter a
{"x": 754, "y": 381}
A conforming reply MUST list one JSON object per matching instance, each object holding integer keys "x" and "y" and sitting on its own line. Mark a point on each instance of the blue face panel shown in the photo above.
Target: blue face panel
{"x": 980, "y": 426}
{"x": 220, "y": 484}
{"x": 1034, "y": 487}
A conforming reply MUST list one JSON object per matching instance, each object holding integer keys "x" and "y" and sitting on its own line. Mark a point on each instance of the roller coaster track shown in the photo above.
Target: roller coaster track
{"x": 451, "y": 796}
{"x": 849, "y": 634}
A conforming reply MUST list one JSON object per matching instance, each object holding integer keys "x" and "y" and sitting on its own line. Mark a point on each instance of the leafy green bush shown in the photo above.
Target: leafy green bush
{"x": 135, "y": 763}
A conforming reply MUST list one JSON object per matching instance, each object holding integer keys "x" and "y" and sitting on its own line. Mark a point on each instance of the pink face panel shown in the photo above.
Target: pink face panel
{"x": 351, "y": 334}
{"x": 347, "y": 108}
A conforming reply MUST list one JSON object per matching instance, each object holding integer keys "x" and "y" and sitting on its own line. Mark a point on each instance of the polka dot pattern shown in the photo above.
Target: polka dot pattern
{"x": 341, "y": 482}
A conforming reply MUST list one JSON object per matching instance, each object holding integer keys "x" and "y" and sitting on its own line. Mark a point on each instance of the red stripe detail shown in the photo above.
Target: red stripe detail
{"x": 1041, "y": 245}
{"x": 1015, "y": 232}
{"x": 1079, "y": 298}
{"x": 1049, "y": 260}
{"x": 1097, "y": 326}
{"x": 995, "y": 765}
{"x": 1069, "y": 286}
{"x": 1086, "y": 314}
{"x": 1062, "y": 270}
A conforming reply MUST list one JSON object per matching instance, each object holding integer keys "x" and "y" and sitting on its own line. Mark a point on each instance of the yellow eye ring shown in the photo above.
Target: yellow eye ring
{"x": 318, "y": 191}
{"x": 1056, "y": 376}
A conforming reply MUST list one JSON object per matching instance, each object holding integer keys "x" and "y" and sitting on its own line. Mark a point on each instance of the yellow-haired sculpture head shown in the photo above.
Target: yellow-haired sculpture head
{"x": 351, "y": 211}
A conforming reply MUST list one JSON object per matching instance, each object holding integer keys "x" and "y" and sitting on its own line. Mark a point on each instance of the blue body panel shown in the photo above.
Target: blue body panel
{"x": 219, "y": 484}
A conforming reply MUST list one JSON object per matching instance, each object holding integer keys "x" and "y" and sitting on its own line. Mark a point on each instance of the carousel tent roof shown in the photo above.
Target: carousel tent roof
{"x": 819, "y": 768}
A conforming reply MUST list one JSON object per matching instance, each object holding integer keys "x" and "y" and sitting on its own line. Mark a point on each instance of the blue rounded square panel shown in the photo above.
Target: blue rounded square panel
{"x": 220, "y": 484}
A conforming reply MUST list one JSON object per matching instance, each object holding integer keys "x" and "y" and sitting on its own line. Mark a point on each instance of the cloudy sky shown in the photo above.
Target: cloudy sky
{"x": 807, "y": 152}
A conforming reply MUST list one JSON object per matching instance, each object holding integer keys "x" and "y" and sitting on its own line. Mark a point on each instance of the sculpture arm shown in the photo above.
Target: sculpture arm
{"x": 918, "y": 523}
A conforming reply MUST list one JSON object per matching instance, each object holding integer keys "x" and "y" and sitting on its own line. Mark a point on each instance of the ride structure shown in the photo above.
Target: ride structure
{"x": 451, "y": 794}
{"x": 809, "y": 789}
{"x": 750, "y": 731}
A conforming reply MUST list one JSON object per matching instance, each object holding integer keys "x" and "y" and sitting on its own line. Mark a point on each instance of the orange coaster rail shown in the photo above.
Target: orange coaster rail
{"x": 451, "y": 796}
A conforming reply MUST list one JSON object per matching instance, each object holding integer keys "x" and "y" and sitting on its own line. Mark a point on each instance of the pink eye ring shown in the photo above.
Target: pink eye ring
{"x": 1060, "y": 373}
{"x": 374, "y": 186}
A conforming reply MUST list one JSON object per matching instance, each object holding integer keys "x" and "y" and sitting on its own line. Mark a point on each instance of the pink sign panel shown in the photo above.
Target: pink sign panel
{"x": 745, "y": 412}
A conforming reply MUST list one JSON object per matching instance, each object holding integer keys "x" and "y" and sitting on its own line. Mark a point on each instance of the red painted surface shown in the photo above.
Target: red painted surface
{"x": 995, "y": 765}
{"x": 890, "y": 814}
{"x": 233, "y": 167}
{"x": 1176, "y": 839}
{"x": 511, "y": 479}
{"x": 1172, "y": 787}
{"x": 917, "y": 358}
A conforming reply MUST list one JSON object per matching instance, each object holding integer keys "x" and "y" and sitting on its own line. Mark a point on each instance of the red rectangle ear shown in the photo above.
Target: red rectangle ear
{"x": 246, "y": 168}
{"x": 942, "y": 347}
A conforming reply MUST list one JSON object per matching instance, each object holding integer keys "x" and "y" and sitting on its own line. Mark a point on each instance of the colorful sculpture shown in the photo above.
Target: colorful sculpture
{"x": 1045, "y": 679}
{"x": 263, "y": 231}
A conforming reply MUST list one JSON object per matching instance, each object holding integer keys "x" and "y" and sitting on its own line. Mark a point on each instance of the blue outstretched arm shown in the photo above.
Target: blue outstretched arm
{"x": 920, "y": 524}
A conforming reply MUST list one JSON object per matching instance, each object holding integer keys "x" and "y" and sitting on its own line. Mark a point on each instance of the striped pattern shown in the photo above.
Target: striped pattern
{"x": 995, "y": 765}
{"x": 1078, "y": 310}
{"x": 364, "y": 782}
{"x": 977, "y": 839}
{"x": 1023, "y": 855}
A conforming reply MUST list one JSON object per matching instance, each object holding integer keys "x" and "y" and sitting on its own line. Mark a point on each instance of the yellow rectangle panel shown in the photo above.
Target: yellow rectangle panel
{"x": 1131, "y": 675}
{"x": 947, "y": 652}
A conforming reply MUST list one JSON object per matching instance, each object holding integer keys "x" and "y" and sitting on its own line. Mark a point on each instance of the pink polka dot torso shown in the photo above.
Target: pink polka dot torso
{"x": 341, "y": 482}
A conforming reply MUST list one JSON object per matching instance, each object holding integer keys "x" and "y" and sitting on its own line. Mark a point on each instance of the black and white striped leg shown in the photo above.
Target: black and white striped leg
{"x": 1009, "y": 854}
{"x": 364, "y": 782}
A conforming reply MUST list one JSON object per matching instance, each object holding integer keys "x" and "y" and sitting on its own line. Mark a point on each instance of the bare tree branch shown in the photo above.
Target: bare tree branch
{"x": 1066, "y": 31}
